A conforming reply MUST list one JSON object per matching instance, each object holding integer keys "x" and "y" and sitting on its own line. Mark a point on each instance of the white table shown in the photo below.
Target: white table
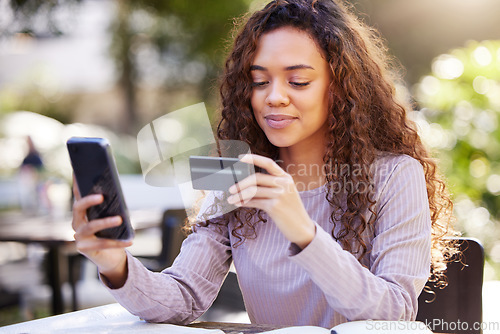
{"x": 113, "y": 318}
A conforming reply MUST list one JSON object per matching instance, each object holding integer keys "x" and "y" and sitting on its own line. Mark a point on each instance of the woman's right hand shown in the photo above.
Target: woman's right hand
{"x": 107, "y": 254}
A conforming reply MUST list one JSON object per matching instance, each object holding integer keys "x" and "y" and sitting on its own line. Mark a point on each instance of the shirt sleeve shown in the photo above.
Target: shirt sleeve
{"x": 399, "y": 260}
{"x": 183, "y": 292}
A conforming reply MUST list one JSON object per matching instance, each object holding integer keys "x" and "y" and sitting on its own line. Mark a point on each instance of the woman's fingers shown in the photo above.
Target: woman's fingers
{"x": 76, "y": 191}
{"x": 264, "y": 180}
{"x": 253, "y": 192}
{"x": 86, "y": 202}
{"x": 105, "y": 253}
{"x": 87, "y": 241}
{"x": 268, "y": 164}
{"x": 97, "y": 225}
{"x": 261, "y": 185}
{"x": 80, "y": 209}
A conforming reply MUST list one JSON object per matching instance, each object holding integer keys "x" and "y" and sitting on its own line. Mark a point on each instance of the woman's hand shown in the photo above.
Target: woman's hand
{"x": 107, "y": 254}
{"x": 276, "y": 194}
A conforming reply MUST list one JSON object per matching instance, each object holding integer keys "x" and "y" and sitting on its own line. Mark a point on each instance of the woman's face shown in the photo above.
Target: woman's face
{"x": 290, "y": 88}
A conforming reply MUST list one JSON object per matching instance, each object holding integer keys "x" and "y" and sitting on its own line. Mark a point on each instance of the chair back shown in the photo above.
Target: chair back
{"x": 458, "y": 307}
{"x": 172, "y": 236}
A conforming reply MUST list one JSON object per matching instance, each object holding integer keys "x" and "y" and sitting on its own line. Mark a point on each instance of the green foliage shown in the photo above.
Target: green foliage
{"x": 184, "y": 40}
{"x": 166, "y": 45}
{"x": 205, "y": 23}
{"x": 459, "y": 119}
{"x": 462, "y": 96}
{"x": 37, "y": 99}
{"x": 35, "y": 17}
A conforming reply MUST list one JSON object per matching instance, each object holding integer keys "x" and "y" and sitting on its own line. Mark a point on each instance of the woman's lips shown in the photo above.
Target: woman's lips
{"x": 279, "y": 121}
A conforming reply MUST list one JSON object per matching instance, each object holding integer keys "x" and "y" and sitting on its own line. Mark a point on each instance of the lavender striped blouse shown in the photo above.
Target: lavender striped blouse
{"x": 321, "y": 285}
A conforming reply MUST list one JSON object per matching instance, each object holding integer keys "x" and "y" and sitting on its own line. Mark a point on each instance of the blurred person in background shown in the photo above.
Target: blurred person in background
{"x": 32, "y": 186}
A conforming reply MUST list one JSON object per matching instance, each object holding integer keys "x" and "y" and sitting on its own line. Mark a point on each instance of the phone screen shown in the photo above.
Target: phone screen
{"x": 95, "y": 173}
{"x": 103, "y": 184}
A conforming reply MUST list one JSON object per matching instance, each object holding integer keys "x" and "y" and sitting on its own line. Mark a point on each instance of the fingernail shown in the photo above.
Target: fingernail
{"x": 230, "y": 199}
{"x": 96, "y": 197}
{"x": 232, "y": 189}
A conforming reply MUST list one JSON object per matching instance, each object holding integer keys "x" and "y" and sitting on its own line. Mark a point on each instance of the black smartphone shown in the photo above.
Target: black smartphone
{"x": 95, "y": 172}
{"x": 217, "y": 173}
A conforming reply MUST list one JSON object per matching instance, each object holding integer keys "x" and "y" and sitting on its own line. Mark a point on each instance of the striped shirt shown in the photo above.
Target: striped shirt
{"x": 321, "y": 285}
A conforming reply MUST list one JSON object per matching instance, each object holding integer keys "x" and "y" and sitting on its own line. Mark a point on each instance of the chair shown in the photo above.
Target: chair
{"x": 171, "y": 240}
{"x": 230, "y": 296}
{"x": 458, "y": 307}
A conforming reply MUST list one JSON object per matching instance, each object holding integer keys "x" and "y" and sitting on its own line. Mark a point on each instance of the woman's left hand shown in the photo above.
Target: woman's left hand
{"x": 276, "y": 194}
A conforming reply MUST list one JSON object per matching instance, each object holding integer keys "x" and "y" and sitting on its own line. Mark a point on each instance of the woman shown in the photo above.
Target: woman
{"x": 305, "y": 85}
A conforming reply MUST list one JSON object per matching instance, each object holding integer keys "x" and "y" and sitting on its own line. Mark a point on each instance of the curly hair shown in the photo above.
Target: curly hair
{"x": 365, "y": 118}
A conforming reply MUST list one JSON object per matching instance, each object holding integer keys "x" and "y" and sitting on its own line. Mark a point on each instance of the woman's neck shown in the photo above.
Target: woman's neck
{"x": 305, "y": 166}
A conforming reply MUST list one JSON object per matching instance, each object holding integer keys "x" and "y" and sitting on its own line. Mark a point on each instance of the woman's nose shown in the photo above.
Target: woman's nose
{"x": 277, "y": 96}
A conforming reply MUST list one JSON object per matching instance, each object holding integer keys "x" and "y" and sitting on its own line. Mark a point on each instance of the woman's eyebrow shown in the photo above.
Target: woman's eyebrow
{"x": 299, "y": 67}
{"x": 288, "y": 68}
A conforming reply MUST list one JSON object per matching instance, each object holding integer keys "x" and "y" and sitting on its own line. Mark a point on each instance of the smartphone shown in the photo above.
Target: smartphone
{"x": 217, "y": 173}
{"x": 95, "y": 173}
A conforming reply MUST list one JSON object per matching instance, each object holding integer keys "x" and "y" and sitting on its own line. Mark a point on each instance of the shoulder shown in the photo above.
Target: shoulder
{"x": 394, "y": 172}
{"x": 400, "y": 191}
{"x": 391, "y": 161}
{"x": 388, "y": 165}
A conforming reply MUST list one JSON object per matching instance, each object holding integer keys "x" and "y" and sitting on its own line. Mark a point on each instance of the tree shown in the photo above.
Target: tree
{"x": 181, "y": 40}
{"x": 37, "y": 18}
{"x": 165, "y": 44}
{"x": 460, "y": 115}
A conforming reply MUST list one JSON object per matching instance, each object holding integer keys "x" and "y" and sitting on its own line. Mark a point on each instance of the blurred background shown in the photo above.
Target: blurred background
{"x": 108, "y": 67}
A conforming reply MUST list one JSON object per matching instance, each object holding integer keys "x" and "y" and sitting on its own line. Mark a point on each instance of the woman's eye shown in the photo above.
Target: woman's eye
{"x": 259, "y": 83}
{"x": 299, "y": 84}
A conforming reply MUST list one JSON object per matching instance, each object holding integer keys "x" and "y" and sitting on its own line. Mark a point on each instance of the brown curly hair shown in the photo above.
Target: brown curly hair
{"x": 365, "y": 118}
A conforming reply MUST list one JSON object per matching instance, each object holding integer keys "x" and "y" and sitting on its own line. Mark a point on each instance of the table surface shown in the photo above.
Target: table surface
{"x": 113, "y": 318}
{"x": 15, "y": 226}
{"x": 234, "y": 328}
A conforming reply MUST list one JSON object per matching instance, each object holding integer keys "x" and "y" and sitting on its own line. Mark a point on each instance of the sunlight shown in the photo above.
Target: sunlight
{"x": 430, "y": 85}
{"x": 481, "y": 85}
{"x": 482, "y": 56}
{"x": 447, "y": 67}
{"x": 493, "y": 184}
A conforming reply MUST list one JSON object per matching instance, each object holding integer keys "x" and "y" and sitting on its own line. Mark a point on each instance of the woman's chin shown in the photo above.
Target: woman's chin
{"x": 281, "y": 142}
